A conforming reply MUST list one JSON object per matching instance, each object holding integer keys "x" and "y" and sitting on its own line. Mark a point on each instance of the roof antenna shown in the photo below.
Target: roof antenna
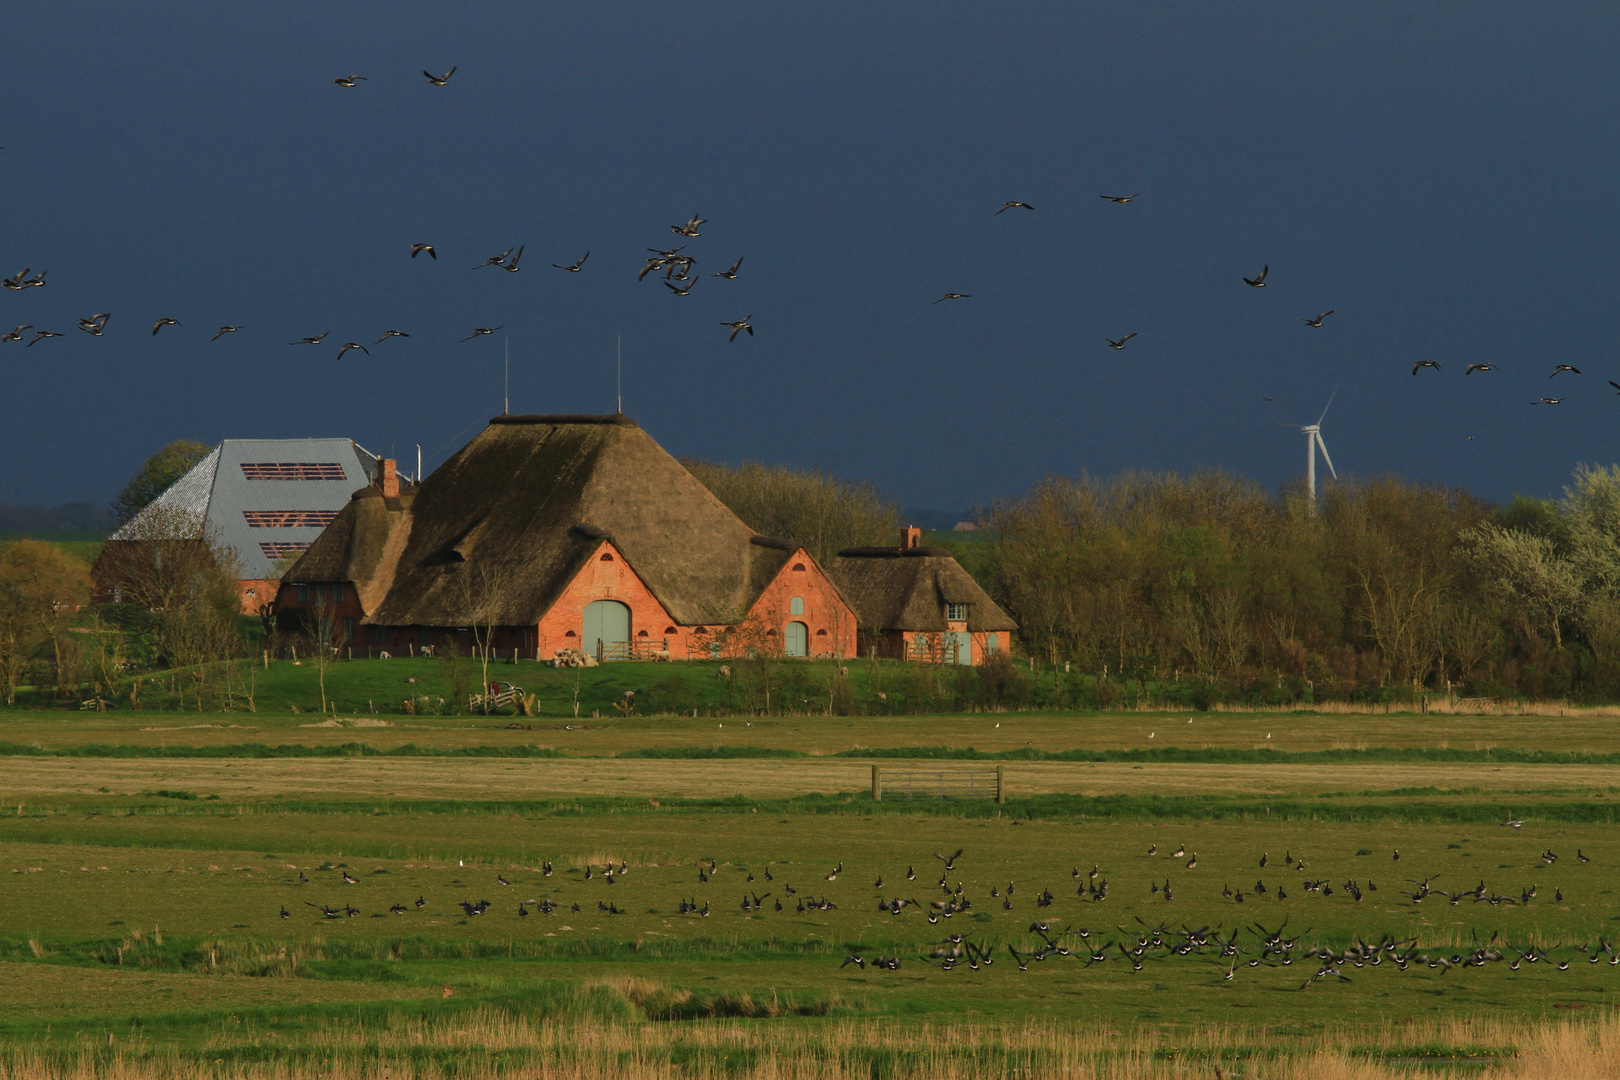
{"x": 506, "y": 404}
{"x": 619, "y": 381}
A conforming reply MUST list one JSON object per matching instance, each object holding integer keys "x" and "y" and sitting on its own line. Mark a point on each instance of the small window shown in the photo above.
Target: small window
{"x": 641, "y": 633}
{"x": 570, "y": 634}
{"x": 821, "y": 633}
{"x": 798, "y": 568}
{"x": 339, "y": 593}
{"x": 992, "y": 642}
{"x": 303, "y": 594}
{"x": 348, "y": 630}
{"x": 671, "y": 629}
{"x": 696, "y": 630}
{"x": 956, "y": 612}
{"x": 607, "y": 556}
{"x": 796, "y": 606}
{"x": 252, "y": 593}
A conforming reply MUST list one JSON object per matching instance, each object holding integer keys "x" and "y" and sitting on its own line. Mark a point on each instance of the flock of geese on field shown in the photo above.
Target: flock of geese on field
{"x": 1244, "y": 947}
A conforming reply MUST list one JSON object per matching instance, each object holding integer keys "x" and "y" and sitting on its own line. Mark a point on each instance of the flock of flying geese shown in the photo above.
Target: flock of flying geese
{"x": 1137, "y": 947}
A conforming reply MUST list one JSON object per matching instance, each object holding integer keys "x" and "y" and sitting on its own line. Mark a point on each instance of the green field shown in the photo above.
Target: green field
{"x": 146, "y": 860}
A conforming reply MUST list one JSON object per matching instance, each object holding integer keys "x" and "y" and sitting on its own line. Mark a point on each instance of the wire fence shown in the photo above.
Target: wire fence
{"x": 938, "y": 784}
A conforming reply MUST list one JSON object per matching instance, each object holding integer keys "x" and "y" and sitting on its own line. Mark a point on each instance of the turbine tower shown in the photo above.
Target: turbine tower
{"x": 1313, "y": 442}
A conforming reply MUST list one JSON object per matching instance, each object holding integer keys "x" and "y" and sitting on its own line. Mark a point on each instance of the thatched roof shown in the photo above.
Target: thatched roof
{"x": 907, "y": 589}
{"x": 522, "y": 507}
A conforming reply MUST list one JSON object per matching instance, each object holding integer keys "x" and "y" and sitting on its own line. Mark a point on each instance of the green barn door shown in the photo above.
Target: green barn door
{"x": 606, "y": 621}
{"x": 964, "y": 647}
{"x": 796, "y": 642}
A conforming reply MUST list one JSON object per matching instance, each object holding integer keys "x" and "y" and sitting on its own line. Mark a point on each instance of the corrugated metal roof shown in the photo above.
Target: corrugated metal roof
{"x": 219, "y": 488}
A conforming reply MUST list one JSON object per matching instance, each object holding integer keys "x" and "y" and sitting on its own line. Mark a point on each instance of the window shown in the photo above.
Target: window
{"x": 641, "y": 633}
{"x": 699, "y": 630}
{"x": 303, "y": 594}
{"x": 280, "y": 549}
{"x": 288, "y": 519}
{"x": 956, "y": 612}
{"x": 992, "y": 642}
{"x": 798, "y": 568}
{"x": 339, "y": 592}
{"x": 292, "y": 470}
{"x": 348, "y": 630}
{"x": 669, "y": 629}
{"x": 796, "y": 606}
{"x": 607, "y": 556}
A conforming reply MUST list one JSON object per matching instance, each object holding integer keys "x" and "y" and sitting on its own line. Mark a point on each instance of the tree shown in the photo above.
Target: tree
{"x": 42, "y": 588}
{"x": 823, "y": 512}
{"x": 1541, "y": 587}
{"x": 155, "y": 477}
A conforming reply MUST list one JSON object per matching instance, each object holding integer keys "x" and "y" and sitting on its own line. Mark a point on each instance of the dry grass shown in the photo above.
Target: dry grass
{"x": 492, "y": 1043}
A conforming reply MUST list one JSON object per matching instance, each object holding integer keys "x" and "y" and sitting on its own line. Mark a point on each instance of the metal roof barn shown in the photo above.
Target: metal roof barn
{"x": 267, "y": 498}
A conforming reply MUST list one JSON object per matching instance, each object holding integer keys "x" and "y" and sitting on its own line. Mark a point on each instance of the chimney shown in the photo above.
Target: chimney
{"x": 910, "y": 537}
{"x": 388, "y": 478}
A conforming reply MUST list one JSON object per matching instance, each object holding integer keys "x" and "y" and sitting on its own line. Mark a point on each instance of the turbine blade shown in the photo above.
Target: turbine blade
{"x": 1325, "y": 457}
{"x": 1326, "y": 407}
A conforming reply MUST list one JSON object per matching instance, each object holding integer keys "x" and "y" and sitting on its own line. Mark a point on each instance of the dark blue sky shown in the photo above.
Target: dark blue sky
{"x": 1443, "y": 175}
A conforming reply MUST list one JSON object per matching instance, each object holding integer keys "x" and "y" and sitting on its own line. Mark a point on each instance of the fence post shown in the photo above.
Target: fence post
{"x": 1001, "y": 783}
{"x": 877, "y": 784}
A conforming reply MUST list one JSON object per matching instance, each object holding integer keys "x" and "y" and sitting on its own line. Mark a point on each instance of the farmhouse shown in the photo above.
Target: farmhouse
{"x": 553, "y": 533}
{"x": 265, "y": 500}
{"x": 917, "y": 603}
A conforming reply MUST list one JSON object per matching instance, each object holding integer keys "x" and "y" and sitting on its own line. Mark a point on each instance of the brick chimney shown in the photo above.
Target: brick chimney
{"x": 910, "y": 537}
{"x": 388, "y": 478}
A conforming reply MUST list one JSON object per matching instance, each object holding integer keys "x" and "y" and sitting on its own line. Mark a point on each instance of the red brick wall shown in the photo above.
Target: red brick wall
{"x": 830, "y": 621}
{"x": 899, "y": 644}
{"x": 607, "y": 579}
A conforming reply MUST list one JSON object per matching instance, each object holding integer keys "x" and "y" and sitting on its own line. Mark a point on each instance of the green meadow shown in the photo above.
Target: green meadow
{"x": 230, "y": 893}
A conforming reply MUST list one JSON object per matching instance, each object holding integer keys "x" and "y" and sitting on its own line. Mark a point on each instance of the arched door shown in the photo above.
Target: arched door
{"x": 796, "y": 642}
{"x": 606, "y": 621}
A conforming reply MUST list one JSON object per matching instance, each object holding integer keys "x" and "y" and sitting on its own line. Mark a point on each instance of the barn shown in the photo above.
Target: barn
{"x": 266, "y": 500}
{"x": 561, "y": 533}
{"x": 915, "y": 602}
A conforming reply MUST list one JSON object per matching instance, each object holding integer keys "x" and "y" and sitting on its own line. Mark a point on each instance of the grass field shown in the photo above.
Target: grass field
{"x": 146, "y": 858}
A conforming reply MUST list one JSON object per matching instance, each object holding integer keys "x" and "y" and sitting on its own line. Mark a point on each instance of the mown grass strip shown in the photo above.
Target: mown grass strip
{"x": 261, "y": 750}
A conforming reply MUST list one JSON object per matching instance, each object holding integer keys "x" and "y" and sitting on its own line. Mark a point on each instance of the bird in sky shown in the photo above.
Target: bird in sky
{"x": 1565, "y": 367}
{"x": 691, "y": 226}
{"x": 95, "y": 324}
{"x": 223, "y": 331}
{"x": 513, "y": 267}
{"x": 1122, "y": 199}
{"x": 16, "y": 282}
{"x": 40, "y": 335}
{"x": 729, "y": 275}
{"x": 1424, "y": 364}
{"x": 16, "y": 335}
{"x": 1547, "y": 401}
{"x": 953, "y": 296}
{"x": 388, "y": 334}
{"x": 1259, "y": 281}
{"x": 494, "y": 260}
{"x": 1120, "y": 344}
{"x": 574, "y": 268}
{"x": 310, "y": 340}
{"x": 1478, "y": 367}
{"x": 438, "y": 80}
{"x": 1013, "y": 204}
{"x": 347, "y": 345}
{"x": 349, "y": 80}
{"x": 677, "y": 290}
{"x": 480, "y": 331}
{"x": 739, "y": 326}
{"x": 1616, "y": 386}
{"x": 1316, "y": 322}
{"x": 165, "y": 321}
{"x": 417, "y": 249}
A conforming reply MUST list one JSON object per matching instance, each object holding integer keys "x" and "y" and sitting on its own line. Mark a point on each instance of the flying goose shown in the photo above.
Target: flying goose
{"x": 739, "y": 326}
{"x": 349, "y": 80}
{"x": 1316, "y": 322}
{"x": 953, "y": 296}
{"x": 494, "y": 260}
{"x": 1121, "y": 199}
{"x": 480, "y": 331}
{"x": 677, "y": 290}
{"x": 1547, "y": 401}
{"x": 347, "y": 345}
{"x": 1478, "y": 367}
{"x": 513, "y": 267}
{"x": 573, "y": 268}
{"x": 95, "y": 324}
{"x": 1014, "y": 204}
{"x": 1565, "y": 367}
{"x": 310, "y": 340}
{"x": 165, "y": 321}
{"x": 1259, "y": 281}
{"x": 223, "y": 331}
{"x": 417, "y": 249}
{"x": 16, "y": 335}
{"x": 1120, "y": 344}
{"x": 438, "y": 80}
{"x": 388, "y": 334}
{"x": 1424, "y": 364}
{"x": 691, "y": 226}
{"x": 730, "y": 275}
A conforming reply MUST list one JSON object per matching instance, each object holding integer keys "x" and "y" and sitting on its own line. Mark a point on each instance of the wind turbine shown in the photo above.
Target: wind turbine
{"x": 1313, "y": 442}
